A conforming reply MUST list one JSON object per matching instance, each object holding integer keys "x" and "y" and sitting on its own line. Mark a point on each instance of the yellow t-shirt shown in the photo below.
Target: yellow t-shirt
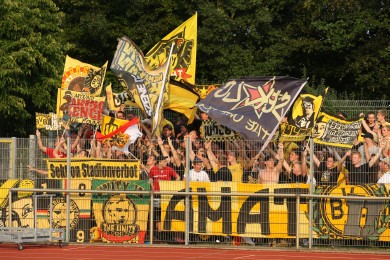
{"x": 237, "y": 172}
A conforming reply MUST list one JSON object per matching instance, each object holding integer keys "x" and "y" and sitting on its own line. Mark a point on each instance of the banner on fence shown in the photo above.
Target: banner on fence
{"x": 232, "y": 215}
{"x": 121, "y": 218}
{"x": 94, "y": 169}
{"x": 275, "y": 217}
{"x": 22, "y": 206}
{"x": 332, "y": 131}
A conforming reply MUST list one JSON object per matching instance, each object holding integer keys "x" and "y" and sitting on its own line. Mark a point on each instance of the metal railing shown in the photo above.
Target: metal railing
{"x": 297, "y": 197}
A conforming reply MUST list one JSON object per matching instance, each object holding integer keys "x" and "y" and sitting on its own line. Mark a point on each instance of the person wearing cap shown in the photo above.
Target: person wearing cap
{"x": 196, "y": 173}
{"x": 385, "y": 167}
{"x": 65, "y": 106}
{"x": 167, "y": 131}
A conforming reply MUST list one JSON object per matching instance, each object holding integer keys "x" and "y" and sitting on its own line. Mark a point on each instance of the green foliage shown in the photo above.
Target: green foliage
{"x": 342, "y": 45}
{"x": 31, "y": 61}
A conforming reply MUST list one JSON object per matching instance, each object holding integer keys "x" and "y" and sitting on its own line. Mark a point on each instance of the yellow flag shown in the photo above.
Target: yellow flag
{"x": 183, "y": 63}
{"x": 304, "y": 114}
{"x": 110, "y": 124}
{"x": 79, "y": 107}
{"x": 115, "y": 100}
{"x": 83, "y": 77}
{"x": 332, "y": 131}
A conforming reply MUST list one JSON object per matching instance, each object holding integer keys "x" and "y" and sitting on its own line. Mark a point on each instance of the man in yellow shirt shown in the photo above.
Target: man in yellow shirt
{"x": 235, "y": 167}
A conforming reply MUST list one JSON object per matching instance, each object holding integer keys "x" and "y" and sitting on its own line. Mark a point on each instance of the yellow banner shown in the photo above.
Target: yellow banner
{"x": 115, "y": 100}
{"x": 79, "y": 107}
{"x": 48, "y": 121}
{"x": 110, "y": 124}
{"x": 302, "y": 120}
{"x": 276, "y": 217}
{"x": 233, "y": 215}
{"x": 104, "y": 169}
{"x": 83, "y": 77}
{"x": 330, "y": 130}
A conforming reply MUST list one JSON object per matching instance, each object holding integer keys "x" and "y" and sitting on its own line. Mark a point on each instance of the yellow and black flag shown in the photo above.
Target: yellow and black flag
{"x": 301, "y": 122}
{"x": 143, "y": 85}
{"x": 183, "y": 63}
{"x": 83, "y": 77}
{"x": 332, "y": 131}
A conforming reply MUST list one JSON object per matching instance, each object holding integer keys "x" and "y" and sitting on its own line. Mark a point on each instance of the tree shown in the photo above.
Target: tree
{"x": 31, "y": 62}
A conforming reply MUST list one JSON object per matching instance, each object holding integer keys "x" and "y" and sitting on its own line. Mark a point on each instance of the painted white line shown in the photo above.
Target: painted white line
{"x": 241, "y": 257}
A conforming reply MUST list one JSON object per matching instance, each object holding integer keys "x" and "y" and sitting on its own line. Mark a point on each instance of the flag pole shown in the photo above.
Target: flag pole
{"x": 167, "y": 73}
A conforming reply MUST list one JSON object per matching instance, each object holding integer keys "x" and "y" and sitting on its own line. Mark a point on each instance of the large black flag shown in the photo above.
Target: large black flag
{"x": 254, "y": 106}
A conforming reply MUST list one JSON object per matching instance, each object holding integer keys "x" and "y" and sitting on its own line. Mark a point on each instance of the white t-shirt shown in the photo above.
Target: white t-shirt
{"x": 199, "y": 176}
{"x": 385, "y": 179}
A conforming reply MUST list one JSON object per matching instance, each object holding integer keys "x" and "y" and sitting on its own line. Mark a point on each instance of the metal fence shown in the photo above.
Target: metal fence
{"x": 352, "y": 108}
{"x": 100, "y": 201}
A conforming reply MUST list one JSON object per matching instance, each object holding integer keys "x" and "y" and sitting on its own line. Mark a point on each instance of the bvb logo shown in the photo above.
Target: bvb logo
{"x": 331, "y": 216}
{"x": 59, "y": 213}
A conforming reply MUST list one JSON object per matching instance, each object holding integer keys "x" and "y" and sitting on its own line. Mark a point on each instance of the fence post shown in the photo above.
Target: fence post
{"x": 10, "y": 208}
{"x": 13, "y": 172}
{"x": 31, "y": 155}
{"x": 298, "y": 202}
{"x": 311, "y": 193}
{"x": 68, "y": 141}
{"x": 187, "y": 198}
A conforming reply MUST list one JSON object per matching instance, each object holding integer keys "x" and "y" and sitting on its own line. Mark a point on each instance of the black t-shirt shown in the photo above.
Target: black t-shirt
{"x": 284, "y": 177}
{"x": 357, "y": 175}
{"x": 179, "y": 169}
{"x": 223, "y": 174}
{"x": 325, "y": 176}
{"x": 297, "y": 178}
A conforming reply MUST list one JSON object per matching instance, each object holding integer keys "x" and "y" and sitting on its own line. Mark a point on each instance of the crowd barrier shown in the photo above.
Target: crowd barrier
{"x": 105, "y": 201}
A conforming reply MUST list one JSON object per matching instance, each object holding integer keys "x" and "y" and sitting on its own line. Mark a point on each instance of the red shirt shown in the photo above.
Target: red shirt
{"x": 164, "y": 174}
{"x": 50, "y": 153}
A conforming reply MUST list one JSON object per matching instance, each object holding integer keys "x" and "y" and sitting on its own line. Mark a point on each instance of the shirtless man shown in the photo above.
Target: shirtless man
{"x": 270, "y": 174}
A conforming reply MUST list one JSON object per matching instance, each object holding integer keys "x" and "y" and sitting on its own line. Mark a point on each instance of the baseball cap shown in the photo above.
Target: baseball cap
{"x": 67, "y": 94}
{"x": 369, "y": 135}
{"x": 197, "y": 160}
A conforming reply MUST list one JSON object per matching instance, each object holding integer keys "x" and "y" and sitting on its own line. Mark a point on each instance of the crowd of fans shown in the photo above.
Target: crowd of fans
{"x": 163, "y": 156}
{"x": 239, "y": 160}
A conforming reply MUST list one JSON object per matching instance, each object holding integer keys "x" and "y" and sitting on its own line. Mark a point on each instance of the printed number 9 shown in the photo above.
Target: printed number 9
{"x": 80, "y": 236}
